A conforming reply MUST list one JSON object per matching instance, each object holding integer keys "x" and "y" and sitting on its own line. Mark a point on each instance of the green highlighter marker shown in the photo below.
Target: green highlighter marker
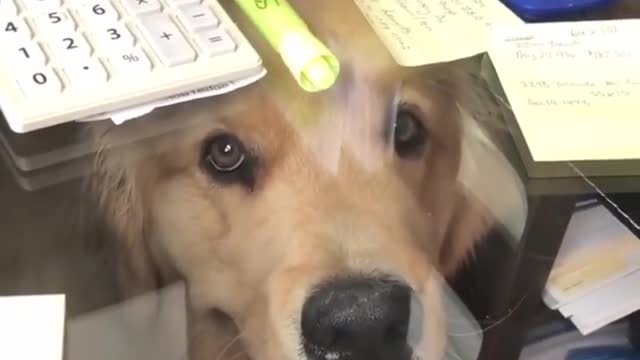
{"x": 312, "y": 64}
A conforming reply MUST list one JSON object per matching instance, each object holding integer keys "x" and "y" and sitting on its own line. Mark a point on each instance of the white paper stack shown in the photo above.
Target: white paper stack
{"x": 149, "y": 327}
{"x": 595, "y": 277}
{"x": 32, "y": 327}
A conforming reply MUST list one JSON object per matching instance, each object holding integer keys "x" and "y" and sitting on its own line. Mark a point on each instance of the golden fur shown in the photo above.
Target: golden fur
{"x": 330, "y": 196}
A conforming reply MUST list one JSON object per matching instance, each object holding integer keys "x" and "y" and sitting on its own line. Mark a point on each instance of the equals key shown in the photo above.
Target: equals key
{"x": 215, "y": 42}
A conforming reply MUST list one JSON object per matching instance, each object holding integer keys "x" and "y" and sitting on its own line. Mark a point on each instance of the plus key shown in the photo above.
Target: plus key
{"x": 166, "y": 39}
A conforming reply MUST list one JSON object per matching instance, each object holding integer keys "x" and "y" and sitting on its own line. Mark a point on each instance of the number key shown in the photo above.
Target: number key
{"x": 98, "y": 13}
{"x": 58, "y": 20}
{"x": 70, "y": 45}
{"x": 14, "y": 29}
{"x": 29, "y": 52}
{"x": 116, "y": 36}
{"x": 38, "y": 81}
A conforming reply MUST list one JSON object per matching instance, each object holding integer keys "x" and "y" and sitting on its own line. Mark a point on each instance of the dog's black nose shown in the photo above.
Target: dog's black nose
{"x": 357, "y": 318}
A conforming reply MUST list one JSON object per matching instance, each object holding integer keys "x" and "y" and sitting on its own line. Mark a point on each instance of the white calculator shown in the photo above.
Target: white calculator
{"x": 66, "y": 60}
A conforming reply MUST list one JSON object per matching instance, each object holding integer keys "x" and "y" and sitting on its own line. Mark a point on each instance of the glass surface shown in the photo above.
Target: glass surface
{"x": 393, "y": 216}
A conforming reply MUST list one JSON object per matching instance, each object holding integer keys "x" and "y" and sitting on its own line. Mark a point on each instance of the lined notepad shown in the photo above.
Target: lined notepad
{"x": 574, "y": 87}
{"x": 420, "y": 32}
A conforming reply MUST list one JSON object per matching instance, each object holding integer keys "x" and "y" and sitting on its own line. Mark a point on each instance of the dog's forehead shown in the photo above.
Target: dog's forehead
{"x": 352, "y": 112}
{"x": 349, "y": 117}
{"x": 337, "y": 23}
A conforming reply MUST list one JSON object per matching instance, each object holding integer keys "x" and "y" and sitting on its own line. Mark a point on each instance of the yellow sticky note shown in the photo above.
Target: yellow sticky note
{"x": 574, "y": 87}
{"x": 420, "y": 32}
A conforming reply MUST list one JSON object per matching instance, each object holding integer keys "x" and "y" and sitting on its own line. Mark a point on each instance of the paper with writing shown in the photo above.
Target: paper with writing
{"x": 574, "y": 87}
{"x": 420, "y": 32}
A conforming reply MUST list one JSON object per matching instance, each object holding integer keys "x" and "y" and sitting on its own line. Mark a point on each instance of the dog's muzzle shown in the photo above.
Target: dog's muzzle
{"x": 357, "y": 318}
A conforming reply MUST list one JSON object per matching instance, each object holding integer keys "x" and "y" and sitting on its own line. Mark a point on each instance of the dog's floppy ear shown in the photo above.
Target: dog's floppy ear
{"x": 120, "y": 195}
{"x": 489, "y": 194}
{"x": 469, "y": 222}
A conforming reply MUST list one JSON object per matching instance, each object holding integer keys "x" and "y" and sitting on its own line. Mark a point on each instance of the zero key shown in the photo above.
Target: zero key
{"x": 39, "y": 82}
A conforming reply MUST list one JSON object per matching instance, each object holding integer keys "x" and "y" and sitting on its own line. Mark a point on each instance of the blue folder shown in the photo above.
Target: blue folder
{"x": 539, "y": 10}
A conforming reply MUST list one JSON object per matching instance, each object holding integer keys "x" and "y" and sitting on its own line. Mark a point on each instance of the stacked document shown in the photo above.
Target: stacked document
{"x": 595, "y": 277}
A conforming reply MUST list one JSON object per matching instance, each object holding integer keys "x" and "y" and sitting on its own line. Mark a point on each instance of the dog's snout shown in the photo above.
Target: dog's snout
{"x": 357, "y": 318}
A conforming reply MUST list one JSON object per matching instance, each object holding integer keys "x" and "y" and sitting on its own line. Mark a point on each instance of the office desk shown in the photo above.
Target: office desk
{"x": 504, "y": 293}
{"x": 503, "y": 285}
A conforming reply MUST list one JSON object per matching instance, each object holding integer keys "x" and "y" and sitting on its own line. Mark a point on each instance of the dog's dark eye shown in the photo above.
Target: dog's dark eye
{"x": 225, "y": 157}
{"x": 409, "y": 135}
{"x": 225, "y": 153}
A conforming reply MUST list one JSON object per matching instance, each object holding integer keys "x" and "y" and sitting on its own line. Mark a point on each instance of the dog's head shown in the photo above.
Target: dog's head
{"x": 318, "y": 223}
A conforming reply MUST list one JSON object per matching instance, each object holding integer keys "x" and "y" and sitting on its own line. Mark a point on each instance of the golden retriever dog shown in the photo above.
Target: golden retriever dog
{"x": 311, "y": 226}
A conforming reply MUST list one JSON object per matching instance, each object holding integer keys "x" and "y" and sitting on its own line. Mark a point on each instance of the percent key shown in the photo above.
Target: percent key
{"x": 130, "y": 62}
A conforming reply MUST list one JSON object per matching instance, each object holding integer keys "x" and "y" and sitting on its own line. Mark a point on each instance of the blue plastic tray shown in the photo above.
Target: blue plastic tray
{"x": 603, "y": 353}
{"x": 536, "y": 10}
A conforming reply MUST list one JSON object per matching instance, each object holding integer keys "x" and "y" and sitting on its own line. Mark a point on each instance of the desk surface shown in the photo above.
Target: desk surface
{"x": 52, "y": 241}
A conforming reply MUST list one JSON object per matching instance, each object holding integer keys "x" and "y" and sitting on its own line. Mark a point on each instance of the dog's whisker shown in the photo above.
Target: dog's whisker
{"x": 496, "y": 323}
{"x": 454, "y": 354}
{"x": 240, "y": 355}
{"x": 228, "y": 347}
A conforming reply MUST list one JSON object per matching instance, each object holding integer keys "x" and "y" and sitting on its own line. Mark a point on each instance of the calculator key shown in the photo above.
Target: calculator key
{"x": 14, "y": 29}
{"x": 39, "y": 81}
{"x": 85, "y": 73}
{"x": 167, "y": 40}
{"x": 215, "y": 42}
{"x": 130, "y": 62}
{"x": 42, "y": 5}
{"x": 8, "y": 8}
{"x": 183, "y": 2}
{"x": 58, "y": 20}
{"x": 27, "y": 53}
{"x": 70, "y": 45}
{"x": 197, "y": 16}
{"x": 142, "y": 6}
{"x": 97, "y": 13}
{"x": 116, "y": 36}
